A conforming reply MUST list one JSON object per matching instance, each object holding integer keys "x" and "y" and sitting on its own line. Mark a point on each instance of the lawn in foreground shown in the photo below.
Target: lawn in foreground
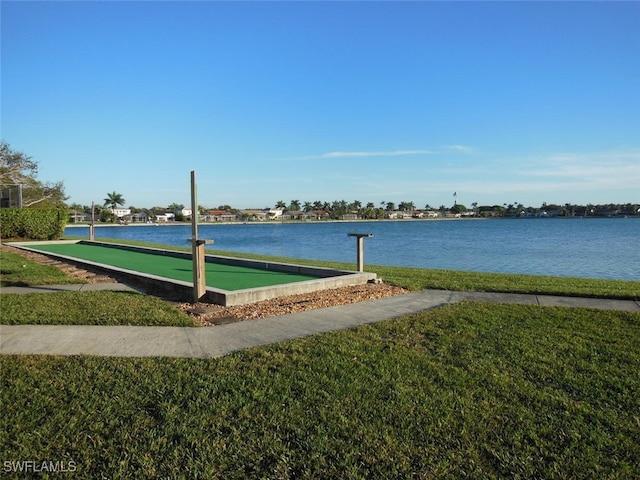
{"x": 477, "y": 390}
{"x": 90, "y": 308}
{"x": 18, "y": 271}
{"x": 75, "y": 308}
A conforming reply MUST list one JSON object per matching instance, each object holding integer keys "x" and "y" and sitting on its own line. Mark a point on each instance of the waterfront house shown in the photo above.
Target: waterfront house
{"x": 220, "y": 216}
{"x": 273, "y": 213}
{"x": 254, "y": 214}
{"x": 140, "y": 217}
{"x": 398, "y": 214}
{"x": 77, "y": 217}
{"x": 166, "y": 217}
{"x": 121, "y": 212}
{"x": 320, "y": 214}
{"x": 292, "y": 215}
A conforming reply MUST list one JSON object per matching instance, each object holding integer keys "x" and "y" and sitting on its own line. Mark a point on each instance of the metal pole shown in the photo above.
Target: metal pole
{"x": 360, "y": 254}
{"x": 360, "y": 248}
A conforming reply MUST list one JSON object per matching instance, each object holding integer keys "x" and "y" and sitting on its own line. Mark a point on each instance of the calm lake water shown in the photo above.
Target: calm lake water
{"x": 574, "y": 247}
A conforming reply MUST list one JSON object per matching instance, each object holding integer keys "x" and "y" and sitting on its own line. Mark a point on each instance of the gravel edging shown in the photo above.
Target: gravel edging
{"x": 207, "y": 314}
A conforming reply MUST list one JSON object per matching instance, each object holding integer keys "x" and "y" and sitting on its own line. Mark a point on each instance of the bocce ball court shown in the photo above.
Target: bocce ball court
{"x": 229, "y": 281}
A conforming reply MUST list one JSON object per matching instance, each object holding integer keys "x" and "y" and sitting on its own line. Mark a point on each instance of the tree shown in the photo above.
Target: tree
{"x": 76, "y": 211}
{"x": 339, "y": 208}
{"x": 20, "y": 171}
{"x": 406, "y": 206}
{"x": 175, "y": 207}
{"x": 104, "y": 215}
{"x": 458, "y": 208}
{"x": 294, "y": 205}
{"x": 113, "y": 200}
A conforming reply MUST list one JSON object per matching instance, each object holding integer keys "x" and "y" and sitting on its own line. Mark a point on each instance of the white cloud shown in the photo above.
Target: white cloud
{"x": 365, "y": 154}
{"x": 590, "y": 170}
{"x": 459, "y": 149}
{"x": 610, "y": 176}
{"x": 395, "y": 153}
{"x": 388, "y": 153}
{"x": 594, "y": 177}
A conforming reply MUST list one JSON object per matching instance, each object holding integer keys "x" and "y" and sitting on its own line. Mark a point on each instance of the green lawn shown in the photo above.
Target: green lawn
{"x": 17, "y": 271}
{"x": 471, "y": 390}
{"x": 89, "y": 308}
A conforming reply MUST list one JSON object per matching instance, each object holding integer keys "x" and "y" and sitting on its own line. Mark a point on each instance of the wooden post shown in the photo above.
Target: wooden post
{"x": 92, "y": 226}
{"x": 360, "y": 248}
{"x": 197, "y": 246}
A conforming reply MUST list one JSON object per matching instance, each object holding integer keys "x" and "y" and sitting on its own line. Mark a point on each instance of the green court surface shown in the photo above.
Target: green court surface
{"x": 225, "y": 277}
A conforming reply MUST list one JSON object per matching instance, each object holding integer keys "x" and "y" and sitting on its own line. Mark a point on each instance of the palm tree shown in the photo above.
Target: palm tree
{"x": 113, "y": 200}
{"x": 406, "y": 206}
{"x": 294, "y": 205}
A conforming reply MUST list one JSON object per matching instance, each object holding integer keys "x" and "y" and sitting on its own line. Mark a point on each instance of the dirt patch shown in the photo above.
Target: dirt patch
{"x": 208, "y": 314}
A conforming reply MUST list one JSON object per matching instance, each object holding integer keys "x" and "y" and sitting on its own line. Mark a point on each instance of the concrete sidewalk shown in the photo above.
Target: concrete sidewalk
{"x": 206, "y": 342}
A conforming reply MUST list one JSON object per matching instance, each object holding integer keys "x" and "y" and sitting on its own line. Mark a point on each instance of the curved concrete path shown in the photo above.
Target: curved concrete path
{"x": 206, "y": 342}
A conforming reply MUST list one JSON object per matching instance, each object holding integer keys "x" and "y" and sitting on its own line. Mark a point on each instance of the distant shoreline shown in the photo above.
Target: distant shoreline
{"x": 269, "y": 222}
{"x": 310, "y": 222}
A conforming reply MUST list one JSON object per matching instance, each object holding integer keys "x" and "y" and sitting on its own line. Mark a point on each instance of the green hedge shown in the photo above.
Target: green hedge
{"x": 32, "y": 223}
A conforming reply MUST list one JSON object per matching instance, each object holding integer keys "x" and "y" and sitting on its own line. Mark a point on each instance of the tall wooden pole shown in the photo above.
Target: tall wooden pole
{"x": 197, "y": 246}
{"x": 92, "y": 226}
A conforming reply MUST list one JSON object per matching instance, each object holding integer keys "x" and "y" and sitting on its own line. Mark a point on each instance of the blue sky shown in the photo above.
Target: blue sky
{"x": 500, "y": 102}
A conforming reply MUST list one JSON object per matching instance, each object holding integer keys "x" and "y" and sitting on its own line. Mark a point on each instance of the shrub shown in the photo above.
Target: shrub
{"x": 32, "y": 223}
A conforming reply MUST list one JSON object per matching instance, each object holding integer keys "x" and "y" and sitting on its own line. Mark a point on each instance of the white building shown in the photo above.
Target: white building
{"x": 121, "y": 212}
{"x": 274, "y": 213}
{"x": 167, "y": 217}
